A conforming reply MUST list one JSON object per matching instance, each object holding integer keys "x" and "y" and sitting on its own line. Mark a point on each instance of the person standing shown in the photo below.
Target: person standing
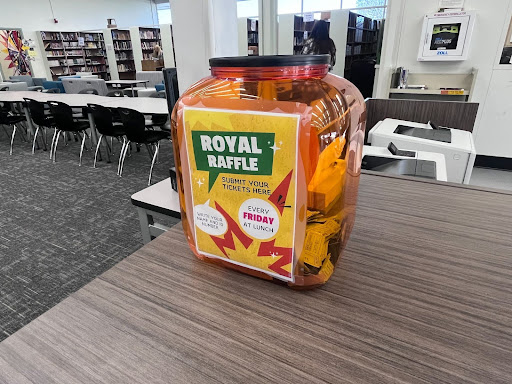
{"x": 319, "y": 42}
{"x": 158, "y": 54}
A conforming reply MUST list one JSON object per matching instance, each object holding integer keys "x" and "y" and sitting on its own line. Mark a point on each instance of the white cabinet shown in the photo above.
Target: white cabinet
{"x": 494, "y": 135}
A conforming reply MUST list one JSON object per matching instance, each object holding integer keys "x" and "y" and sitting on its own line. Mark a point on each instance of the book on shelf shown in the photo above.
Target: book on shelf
{"x": 66, "y": 36}
{"x": 50, "y": 35}
{"x": 120, "y": 35}
{"x": 150, "y": 34}
{"x": 119, "y": 45}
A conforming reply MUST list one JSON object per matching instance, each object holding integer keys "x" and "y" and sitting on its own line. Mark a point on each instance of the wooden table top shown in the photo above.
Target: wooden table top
{"x": 422, "y": 294}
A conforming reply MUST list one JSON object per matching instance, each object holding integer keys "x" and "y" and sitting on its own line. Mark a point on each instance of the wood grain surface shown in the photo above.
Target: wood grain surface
{"x": 422, "y": 294}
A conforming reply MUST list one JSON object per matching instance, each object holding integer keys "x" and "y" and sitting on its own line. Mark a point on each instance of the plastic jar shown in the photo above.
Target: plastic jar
{"x": 268, "y": 157}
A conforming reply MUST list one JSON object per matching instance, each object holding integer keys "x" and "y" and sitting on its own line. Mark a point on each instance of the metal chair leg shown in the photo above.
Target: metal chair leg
{"x": 153, "y": 163}
{"x": 111, "y": 145}
{"x": 82, "y": 149}
{"x": 34, "y": 141}
{"x": 97, "y": 149}
{"x": 56, "y": 145}
{"x": 53, "y": 142}
{"x": 126, "y": 148}
{"x": 12, "y": 138}
{"x": 121, "y": 156}
{"x": 43, "y": 137}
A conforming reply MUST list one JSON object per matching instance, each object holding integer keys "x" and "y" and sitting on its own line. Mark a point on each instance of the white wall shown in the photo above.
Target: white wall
{"x": 73, "y": 15}
{"x": 212, "y": 31}
{"x": 402, "y": 38}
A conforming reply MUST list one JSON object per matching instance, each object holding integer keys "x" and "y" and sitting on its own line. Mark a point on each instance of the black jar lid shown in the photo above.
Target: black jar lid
{"x": 270, "y": 61}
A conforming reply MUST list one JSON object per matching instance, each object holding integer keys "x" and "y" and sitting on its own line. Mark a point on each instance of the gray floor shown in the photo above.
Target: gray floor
{"x": 491, "y": 178}
{"x": 62, "y": 225}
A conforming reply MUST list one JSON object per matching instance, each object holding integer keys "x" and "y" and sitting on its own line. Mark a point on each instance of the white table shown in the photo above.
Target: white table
{"x": 158, "y": 200}
{"x": 148, "y": 106}
{"x": 128, "y": 83}
{"x": 145, "y": 105}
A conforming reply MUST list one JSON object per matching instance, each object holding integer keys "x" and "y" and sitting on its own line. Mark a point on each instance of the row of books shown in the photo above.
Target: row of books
{"x": 71, "y": 44}
{"x": 75, "y": 52}
{"x": 54, "y": 46}
{"x": 148, "y": 44}
{"x": 124, "y": 56}
{"x": 150, "y": 34}
{"x": 358, "y": 21}
{"x": 54, "y": 53}
{"x": 120, "y": 35}
{"x": 122, "y": 45}
{"x": 66, "y": 36}
{"x": 50, "y": 35}
{"x": 93, "y": 37}
{"x": 92, "y": 53}
{"x": 125, "y": 67}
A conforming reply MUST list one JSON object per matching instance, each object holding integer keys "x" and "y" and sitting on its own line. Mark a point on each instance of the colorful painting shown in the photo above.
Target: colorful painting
{"x": 13, "y": 54}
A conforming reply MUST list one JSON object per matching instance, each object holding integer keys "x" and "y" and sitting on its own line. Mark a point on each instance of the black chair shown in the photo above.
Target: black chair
{"x": 9, "y": 118}
{"x": 134, "y": 124}
{"x": 85, "y": 112}
{"x": 40, "y": 119}
{"x": 106, "y": 126}
{"x": 159, "y": 120}
{"x": 115, "y": 94}
{"x": 64, "y": 122}
{"x": 4, "y": 89}
{"x": 51, "y": 90}
{"x": 88, "y": 91}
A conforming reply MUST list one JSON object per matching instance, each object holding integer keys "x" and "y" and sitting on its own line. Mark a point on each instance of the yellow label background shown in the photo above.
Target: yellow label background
{"x": 285, "y": 127}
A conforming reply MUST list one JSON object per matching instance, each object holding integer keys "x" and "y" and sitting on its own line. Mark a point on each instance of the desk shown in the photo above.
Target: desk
{"x": 128, "y": 83}
{"x": 145, "y": 105}
{"x": 158, "y": 200}
{"x": 422, "y": 294}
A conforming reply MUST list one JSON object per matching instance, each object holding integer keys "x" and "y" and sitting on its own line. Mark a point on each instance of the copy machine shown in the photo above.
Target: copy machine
{"x": 456, "y": 145}
{"x": 393, "y": 161}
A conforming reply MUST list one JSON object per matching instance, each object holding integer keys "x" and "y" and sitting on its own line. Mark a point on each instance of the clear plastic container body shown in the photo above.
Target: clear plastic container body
{"x": 326, "y": 156}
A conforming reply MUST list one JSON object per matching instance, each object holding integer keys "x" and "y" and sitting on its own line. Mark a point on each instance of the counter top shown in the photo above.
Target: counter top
{"x": 422, "y": 294}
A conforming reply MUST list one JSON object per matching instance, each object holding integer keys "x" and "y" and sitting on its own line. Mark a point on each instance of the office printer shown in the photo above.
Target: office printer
{"x": 406, "y": 163}
{"x": 456, "y": 145}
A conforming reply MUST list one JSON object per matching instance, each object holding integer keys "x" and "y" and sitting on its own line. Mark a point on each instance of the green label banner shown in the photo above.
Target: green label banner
{"x": 241, "y": 153}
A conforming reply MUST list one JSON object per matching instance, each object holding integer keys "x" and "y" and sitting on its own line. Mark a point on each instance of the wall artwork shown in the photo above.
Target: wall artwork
{"x": 13, "y": 54}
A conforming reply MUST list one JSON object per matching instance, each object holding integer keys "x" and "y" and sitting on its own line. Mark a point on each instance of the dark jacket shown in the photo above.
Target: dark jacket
{"x": 316, "y": 47}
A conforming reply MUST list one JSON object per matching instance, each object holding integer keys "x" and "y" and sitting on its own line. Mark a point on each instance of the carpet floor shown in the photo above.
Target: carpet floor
{"x": 62, "y": 225}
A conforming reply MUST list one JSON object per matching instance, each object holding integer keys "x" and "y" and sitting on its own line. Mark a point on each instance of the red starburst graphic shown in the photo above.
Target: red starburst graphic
{"x": 269, "y": 249}
{"x": 233, "y": 228}
{"x": 278, "y": 197}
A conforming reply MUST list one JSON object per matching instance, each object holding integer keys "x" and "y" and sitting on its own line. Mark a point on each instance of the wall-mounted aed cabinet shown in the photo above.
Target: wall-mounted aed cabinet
{"x": 446, "y": 36}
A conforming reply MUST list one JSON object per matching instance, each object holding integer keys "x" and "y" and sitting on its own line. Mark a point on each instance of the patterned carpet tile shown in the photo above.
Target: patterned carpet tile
{"x": 62, "y": 225}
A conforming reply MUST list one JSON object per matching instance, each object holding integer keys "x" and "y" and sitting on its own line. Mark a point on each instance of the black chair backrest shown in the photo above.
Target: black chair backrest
{"x": 115, "y": 94}
{"x": 36, "y": 111}
{"x": 171, "y": 87}
{"x": 63, "y": 115}
{"x": 134, "y": 124}
{"x": 53, "y": 90}
{"x": 4, "y": 89}
{"x": 102, "y": 118}
{"x": 89, "y": 91}
{"x": 4, "y": 111}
